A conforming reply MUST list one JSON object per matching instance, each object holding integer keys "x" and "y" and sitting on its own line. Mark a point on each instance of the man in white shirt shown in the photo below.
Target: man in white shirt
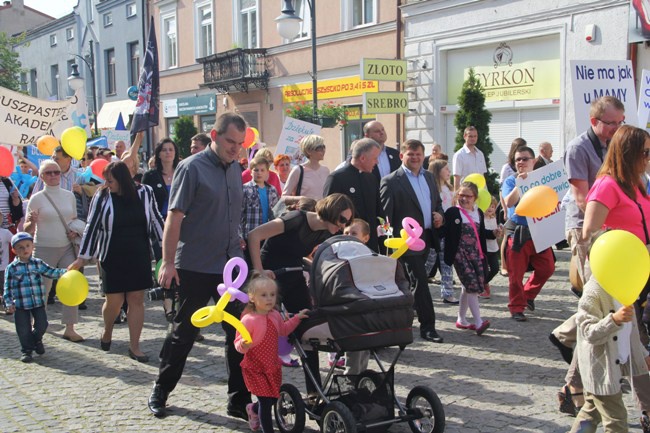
{"x": 468, "y": 159}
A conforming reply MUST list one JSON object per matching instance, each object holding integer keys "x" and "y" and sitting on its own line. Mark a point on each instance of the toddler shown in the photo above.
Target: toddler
{"x": 493, "y": 252}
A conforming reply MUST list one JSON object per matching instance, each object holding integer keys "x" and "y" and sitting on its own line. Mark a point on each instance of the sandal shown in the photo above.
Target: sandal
{"x": 567, "y": 405}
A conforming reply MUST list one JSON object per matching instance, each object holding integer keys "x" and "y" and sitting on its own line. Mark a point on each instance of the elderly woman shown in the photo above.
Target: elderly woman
{"x": 282, "y": 166}
{"x": 308, "y": 179}
{"x": 121, "y": 220}
{"x": 49, "y": 213}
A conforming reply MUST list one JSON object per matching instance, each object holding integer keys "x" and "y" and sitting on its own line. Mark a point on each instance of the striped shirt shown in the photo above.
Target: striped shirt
{"x": 99, "y": 227}
{"x": 24, "y": 286}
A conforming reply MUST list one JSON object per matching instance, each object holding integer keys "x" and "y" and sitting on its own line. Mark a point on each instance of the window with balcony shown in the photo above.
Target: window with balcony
{"x": 169, "y": 41}
{"x": 204, "y": 39}
{"x": 134, "y": 63}
{"x": 111, "y": 84}
{"x": 248, "y": 25}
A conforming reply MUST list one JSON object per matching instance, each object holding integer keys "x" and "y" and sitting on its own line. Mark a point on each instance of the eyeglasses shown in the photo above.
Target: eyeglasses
{"x": 52, "y": 173}
{"x": 343, "y": 220}
{"x": 523, "y": 159}
{"x": 613, "y": 123}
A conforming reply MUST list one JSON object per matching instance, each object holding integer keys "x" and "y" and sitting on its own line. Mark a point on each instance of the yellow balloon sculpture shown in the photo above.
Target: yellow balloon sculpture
{"x": 229, "y": 291}
{"x": 72, "y": 288}
{"x": 621, "y": 264}
{"x": 409, "y": 239}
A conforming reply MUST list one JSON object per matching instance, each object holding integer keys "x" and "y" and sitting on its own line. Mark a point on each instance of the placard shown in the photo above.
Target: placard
{"x": 293, "y": 131}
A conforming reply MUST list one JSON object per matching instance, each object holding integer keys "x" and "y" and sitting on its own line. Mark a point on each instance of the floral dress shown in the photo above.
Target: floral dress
{"x": 469, "y": 265}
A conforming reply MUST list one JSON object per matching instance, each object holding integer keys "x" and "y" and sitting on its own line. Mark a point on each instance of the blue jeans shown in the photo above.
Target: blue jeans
{"x": 29, "y": 337}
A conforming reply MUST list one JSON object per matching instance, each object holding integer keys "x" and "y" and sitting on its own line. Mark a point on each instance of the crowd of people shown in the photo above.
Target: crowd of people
{"x": 194, "y": 214}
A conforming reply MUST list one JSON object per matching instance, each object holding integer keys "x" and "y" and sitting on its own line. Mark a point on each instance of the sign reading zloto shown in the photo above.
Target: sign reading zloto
{"x": 383, "y": 70}
{"x": 385, "y": 103}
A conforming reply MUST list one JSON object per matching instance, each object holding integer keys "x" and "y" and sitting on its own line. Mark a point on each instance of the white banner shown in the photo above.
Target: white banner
{"x": 644, "y": 100}
{"x": 24, "y": 119}
{"x": 293, "y": 131}
{"x": 593, "y": 79}
{"x": 548, "y": 230}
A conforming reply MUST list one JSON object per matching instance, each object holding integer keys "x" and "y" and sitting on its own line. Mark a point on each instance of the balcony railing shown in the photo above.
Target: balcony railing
{"x": 235, "y": 69}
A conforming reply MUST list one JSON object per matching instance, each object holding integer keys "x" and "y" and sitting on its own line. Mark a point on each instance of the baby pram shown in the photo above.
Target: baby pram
{"x": 362, "y": 302}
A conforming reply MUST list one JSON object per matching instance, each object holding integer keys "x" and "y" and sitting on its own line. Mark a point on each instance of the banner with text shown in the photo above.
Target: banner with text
{"x": 549, "y": 230}
{"x": 329, "y": 89}
{"x": 644, "y": 100}
{"x": 293, "y": 131}
{"x": 24, "y": 119}
{"x": 593, "y": 79}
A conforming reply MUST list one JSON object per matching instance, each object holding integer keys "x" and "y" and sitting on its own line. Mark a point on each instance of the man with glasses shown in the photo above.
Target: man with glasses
{"x": 411, "y": 191}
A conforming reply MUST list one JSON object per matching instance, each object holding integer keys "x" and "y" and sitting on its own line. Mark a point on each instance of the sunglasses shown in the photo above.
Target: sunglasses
{"x": 523, "y": 159}
{"x": 343, "y": 220}
{"x": 52, "y": 173}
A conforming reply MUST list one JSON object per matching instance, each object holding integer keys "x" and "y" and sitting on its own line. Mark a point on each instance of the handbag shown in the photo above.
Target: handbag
{"x": 74, "y": 226}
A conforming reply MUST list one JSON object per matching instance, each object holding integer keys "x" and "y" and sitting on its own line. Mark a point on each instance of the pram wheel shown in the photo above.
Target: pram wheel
{"x": 290, "y": 410}
{"x": 368, "y": 380}
{"x": 433, "y": 413}
{"x": 337, "y": 418}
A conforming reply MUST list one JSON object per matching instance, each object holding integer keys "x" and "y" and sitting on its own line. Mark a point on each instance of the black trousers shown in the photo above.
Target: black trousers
{"x": 195, "y": 292}
{"x": 417, "y": 274}
{"x": 493, "y": 263}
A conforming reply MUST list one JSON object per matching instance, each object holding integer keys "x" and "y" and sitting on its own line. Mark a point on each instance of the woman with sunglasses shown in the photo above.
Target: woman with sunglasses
{"x": 290, "y": 238}
{"x": 520, "y": 251}
{"x": 53, "y": 240}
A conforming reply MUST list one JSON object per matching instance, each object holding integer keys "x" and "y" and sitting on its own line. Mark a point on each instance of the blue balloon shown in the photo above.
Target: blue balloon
{"x": 132, "y": 93}
{"x": 23, "y": 181}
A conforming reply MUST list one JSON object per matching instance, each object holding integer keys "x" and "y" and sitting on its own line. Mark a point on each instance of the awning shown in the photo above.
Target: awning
{"x": 107, "y": 117}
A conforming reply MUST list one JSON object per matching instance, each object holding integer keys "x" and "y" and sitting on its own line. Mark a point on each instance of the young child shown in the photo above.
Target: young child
{"x": 603, "y": 348}
{"x": 465, "y": 248}
{"x": 261, "y": 367}
{"x": 5, "y": 246}
{"x": 442, "y": 174}
{"x": 24, "y": 294}
{"x": 493, "y": 253}
{"x": 258, "y": 201}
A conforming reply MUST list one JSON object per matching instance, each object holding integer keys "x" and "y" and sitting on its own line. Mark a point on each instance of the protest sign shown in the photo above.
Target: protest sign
{"x": 593, "y": 79}
{"x": 113, "y": 135}
{"x": 293, "y": 131}
{"x": 24, "y": 119}
{"x": 548, "y": 230}
{"x": 644, "y": 100}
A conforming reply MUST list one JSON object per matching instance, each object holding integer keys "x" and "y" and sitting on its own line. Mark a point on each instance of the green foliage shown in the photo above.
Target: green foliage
{"x": 10, "y": 67}
{"x": 472, "y": 112}
{"x": 184, "y": 130}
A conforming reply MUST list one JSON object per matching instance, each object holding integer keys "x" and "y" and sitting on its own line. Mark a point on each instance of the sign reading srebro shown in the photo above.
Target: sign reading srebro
{"x": 383, "y": 70}
{"x": 386, "y": 103}
{"x": 329, "y": 89}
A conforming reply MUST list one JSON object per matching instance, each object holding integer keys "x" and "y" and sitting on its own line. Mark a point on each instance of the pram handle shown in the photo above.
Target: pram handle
{"x": 283, "y": 271}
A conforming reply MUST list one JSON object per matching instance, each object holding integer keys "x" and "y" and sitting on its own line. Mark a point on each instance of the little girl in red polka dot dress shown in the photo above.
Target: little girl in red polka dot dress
{"x": 261, "y": 366}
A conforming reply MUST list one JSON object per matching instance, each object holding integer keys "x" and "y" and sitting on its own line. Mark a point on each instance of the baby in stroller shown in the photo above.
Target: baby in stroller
{"x": 362, "y": 302}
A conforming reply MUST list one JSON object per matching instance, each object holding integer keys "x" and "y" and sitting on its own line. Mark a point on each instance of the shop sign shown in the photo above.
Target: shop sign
{"x": 518, "y": 70}
{"x": 383, "y": 70}
{"x": 197, "y": 105}
{"x": 386, "y": 103}
{"x": 329, "y": 89}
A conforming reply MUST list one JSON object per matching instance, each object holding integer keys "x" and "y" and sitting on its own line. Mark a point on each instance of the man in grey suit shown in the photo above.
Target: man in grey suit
{"x": 411, "y": 191}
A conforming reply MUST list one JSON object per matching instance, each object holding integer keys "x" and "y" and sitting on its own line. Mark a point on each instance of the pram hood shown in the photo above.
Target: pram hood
{"x": 365, "y": 297}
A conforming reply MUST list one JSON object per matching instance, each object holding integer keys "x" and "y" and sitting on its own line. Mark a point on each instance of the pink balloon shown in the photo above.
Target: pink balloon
{"x": 414, "y": 231}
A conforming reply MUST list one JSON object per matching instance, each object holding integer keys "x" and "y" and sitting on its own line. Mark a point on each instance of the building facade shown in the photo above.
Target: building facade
{"x": 521, "y": 51}
{"x": 244, "y": 65}
{"x": 16, "y": 18}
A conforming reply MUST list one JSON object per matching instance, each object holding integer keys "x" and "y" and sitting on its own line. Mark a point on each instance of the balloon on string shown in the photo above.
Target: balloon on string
{"x": 97, "y": 166}
{"x": 537, "y": 202}
{"x": 46, "y": 144}
{"x": 72, "y": 288}
{"x": 250, "y": 138}
{"x": 484, "y": 199}
{"x": 6, "y": 162}
{"x": 477, "y": 179}
{"x": 73, "y": 141}
{"x": 620, "y": 263}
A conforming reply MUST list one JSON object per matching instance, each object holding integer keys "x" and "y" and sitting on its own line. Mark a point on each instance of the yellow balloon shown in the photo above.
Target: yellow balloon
{"x": 232, "y": 320}
{"x": 477, "y": 179}
{"x": 73, "y": 141}
{"x": 537, "y": 202}
{"x": 46, "y": 144}
{"x": 206, "y": 316}
{"x": 484, "y": 199}
{"x": 621, "y": 264}
{"x": 203, "y": 317}
{"x": 72, "y": 288}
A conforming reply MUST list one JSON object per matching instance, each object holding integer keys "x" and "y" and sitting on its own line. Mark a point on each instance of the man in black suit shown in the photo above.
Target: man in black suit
{"x": 411, "y": 191}
{"x": 355, "y": 180}
{"x": 388, "y": 160}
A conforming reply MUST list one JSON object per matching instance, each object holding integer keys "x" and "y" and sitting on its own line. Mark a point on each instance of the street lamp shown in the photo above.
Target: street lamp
{"x": 288, "y": 25}
{"x": 76, "y": 82}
